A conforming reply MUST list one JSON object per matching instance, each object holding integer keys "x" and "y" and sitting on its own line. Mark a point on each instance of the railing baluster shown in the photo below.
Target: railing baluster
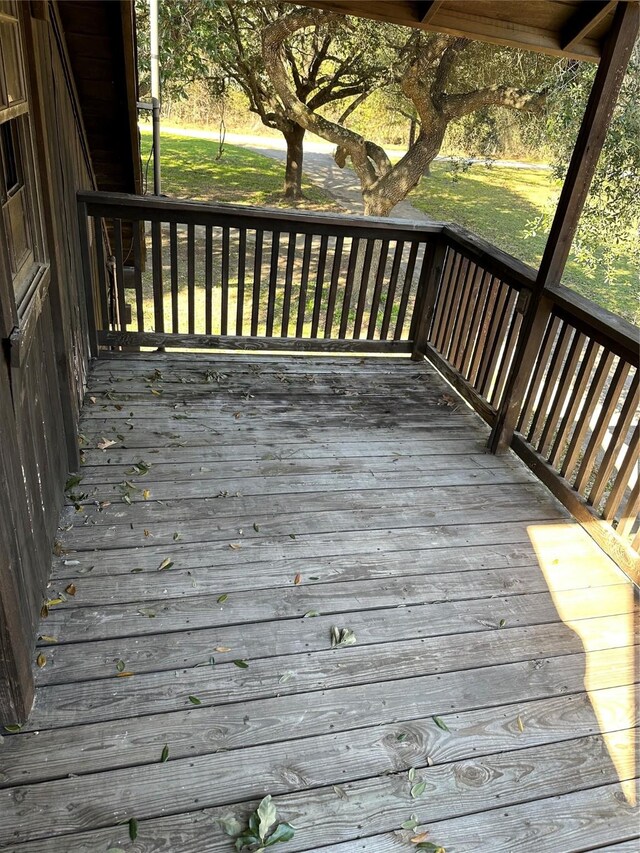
{"x": 137, "y": 275}
{"x": 506, "y": 355}
{"x": 348, "y": 287}
{"x": 490, "y": 356}
{"x": 119, "y": 270}
{"x": 208, "y": 280}
{"x": 560, "y": 399}
{"x": 627, "y": 469}
{"x": 156, "y": 263}
{"x": 377, "y": 290}
{"x": 616, "y": 441}
{"x": 493, "y": 291}
{"x": 173, "y": 263}
{"x": 459, "y": 316}
{"x": 288, "y": 284}
{"x": 224, "y": 292}
{"x": 103, "y": 288}
{"x": 482, "y": 278}
{"x": 406, "y": 289}
{"x": 317, "y": 297}
{"x": 191, "y": 277}
{"x": 333, "y": 287}
{"x": 391, "y": 291}
{"x": 445, "y": 296}
{"x": 304, "y": 279}
{"x": 538, "y": 373}
{"x": 602, "y": 425}
{"x": 463, "y": 333}
{"x": 575, "y": 401}
{"x": 593, "y": 395}
{"x": 560, "y": 347}
{"x": 273, "y": 282}
{"x": 257, "y": 282}
{"x": 242, "y": 262}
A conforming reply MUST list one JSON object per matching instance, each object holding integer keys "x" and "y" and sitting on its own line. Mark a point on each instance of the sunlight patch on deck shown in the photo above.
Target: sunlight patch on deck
{"x": 569, "y": 558}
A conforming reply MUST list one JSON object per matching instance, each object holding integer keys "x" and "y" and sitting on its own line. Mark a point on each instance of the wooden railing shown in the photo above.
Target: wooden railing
{"x": 191, "y": 275}
{"x": 195, "y": 275}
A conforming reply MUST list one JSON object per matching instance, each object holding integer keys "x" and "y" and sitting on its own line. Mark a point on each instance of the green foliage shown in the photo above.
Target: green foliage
{"x": 500, "y": 203}
{"x": 610, "y": 223}
{"x": 190, "y": 170}
{"x": 263, "y": 829}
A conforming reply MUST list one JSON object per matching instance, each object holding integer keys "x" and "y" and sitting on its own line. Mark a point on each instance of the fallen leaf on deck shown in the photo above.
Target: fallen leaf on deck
{"x": 105, "y": 443}
{"x": 165, "y": 564}
{"x": 12, "y": 728}
{"x": 120, "y": 666}
{"x": 342, "y": 637}
{"x": 287, "y": 676}
{"x": 47, "y": 639}
{"x": 440, "y": 724}
{"x": 71, "y": 589}
{"x": 133, "y": 829}
{"x": 256, "y": 528}
{"x": 146, "y": 494}
{"x": 165, "y": 754}
{"x": 412, "y": 774}
{"x": 194, "y": 700}
{"x": 520, "y": 723}
{"x": 411, "y": 823}
{"x": 310, "y": 613}
{"x": 234, "y": 546}
{"x": 502, "y": 623}
{"x": 176, "y": 536}
{"x": 222, "y": 598}
{"x": 341, "y": 792}
{"x": 242, "y": 664}
{"x": 422, "y": 836}
{"x": 41, "y": 660}
{"x": 124, "y": 674}
{"x": 418, "y": 789}
{"x": 222, "y": 649}
{"x": 297, "y": 578}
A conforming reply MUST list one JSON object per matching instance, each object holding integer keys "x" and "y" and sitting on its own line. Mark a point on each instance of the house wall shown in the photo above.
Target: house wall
{"x": 45, "y": 355}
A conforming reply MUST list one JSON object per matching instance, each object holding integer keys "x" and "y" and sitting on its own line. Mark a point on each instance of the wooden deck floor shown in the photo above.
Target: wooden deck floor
{"x": 242, "y": 496}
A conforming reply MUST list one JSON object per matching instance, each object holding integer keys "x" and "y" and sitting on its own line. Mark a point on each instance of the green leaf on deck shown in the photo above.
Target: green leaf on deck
{"x": 222, "y": 598}
{"x": 230, "y": 825}
{"x": 256, "y": 527}
{"x": 165, "y": 753}
{"x": 412, "y": 774}
{"x": 133, "y": 829}
{"x": 146, "y": 611}
{"x": 136, "y": 571}
{"x": 287, "y": 676}
{"x": 242, "y": 664}
{"x": 411, "y": 823}
{"x": 310, "y": 614}
{"x": 194, "y": 700}
{"x": 340, "y": 792}
{"x": 120, "y": 666}
{"x": 440, "y": 724}
{"x": 342, "y": 637}
{"x": 313, "y": 578}
{"x": 402, "y": 736}
{"x": 12, "y": 728}
{"x": 282, "y": 832}
{"x": 176, "y": 536}
{"x": 418, "y": 789}
{"x": 266, "y": 812}
{"x": 72, "y": 482}
{"x": 503, "y": 622}
{"x": 165, "y": 564}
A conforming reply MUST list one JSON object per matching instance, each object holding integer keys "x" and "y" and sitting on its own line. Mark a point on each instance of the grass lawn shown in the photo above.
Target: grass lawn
{"x": 190, "y": 170}
{"x": 498, "y": 203}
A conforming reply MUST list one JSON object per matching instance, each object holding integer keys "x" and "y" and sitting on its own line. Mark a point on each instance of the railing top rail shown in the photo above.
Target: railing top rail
{"x": 491, "y": 257}
{"x": 154, "y": 208}
{"x": 621, "y": 336}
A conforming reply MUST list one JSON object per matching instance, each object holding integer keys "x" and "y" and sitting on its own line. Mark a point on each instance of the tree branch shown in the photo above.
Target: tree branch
{"x": 456, "y": 106}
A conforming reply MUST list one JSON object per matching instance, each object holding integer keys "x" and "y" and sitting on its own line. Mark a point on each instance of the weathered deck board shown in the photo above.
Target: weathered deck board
{"x": 472, "y": 594}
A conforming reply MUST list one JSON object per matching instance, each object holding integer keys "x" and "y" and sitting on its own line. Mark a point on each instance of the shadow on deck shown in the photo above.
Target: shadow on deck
{"x": 231, "y": 510}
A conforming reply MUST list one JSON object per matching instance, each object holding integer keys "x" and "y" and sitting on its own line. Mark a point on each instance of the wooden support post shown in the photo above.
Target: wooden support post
{"x": 83, "y": 230}
{"x": 426, "y": 297}
{"x": 615, "y": 56}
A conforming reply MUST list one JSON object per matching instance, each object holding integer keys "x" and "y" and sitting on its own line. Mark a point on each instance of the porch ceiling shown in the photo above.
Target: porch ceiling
{"x": 572, "y": 28}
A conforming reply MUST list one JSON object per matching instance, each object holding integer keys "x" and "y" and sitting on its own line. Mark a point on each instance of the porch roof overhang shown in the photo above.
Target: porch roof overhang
{"x": 575, "y": 29}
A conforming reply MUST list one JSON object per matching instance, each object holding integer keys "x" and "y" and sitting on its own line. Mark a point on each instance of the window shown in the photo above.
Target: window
{"x": 22, "y": 232}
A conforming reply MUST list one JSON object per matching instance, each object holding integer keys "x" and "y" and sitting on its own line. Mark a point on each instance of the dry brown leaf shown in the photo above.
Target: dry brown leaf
{"x": 222, "y": 649}
{"x": 520, "y": 723}
{"x": 71, "y": 589}
{"x": 234, "y": 546}
{"x": 297, "y": 578}
{"x": 41, "y": 660}
{"x": 417, "y": 839}
{"x": 123, "y": 674}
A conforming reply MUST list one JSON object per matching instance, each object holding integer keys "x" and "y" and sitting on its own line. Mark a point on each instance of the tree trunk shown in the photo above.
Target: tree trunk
{"x": 293, "y": 169}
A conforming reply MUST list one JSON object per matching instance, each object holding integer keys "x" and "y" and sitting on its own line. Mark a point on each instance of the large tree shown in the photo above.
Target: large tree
{"x": 326, "y": 62}
{"x": 444, "y": 78}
